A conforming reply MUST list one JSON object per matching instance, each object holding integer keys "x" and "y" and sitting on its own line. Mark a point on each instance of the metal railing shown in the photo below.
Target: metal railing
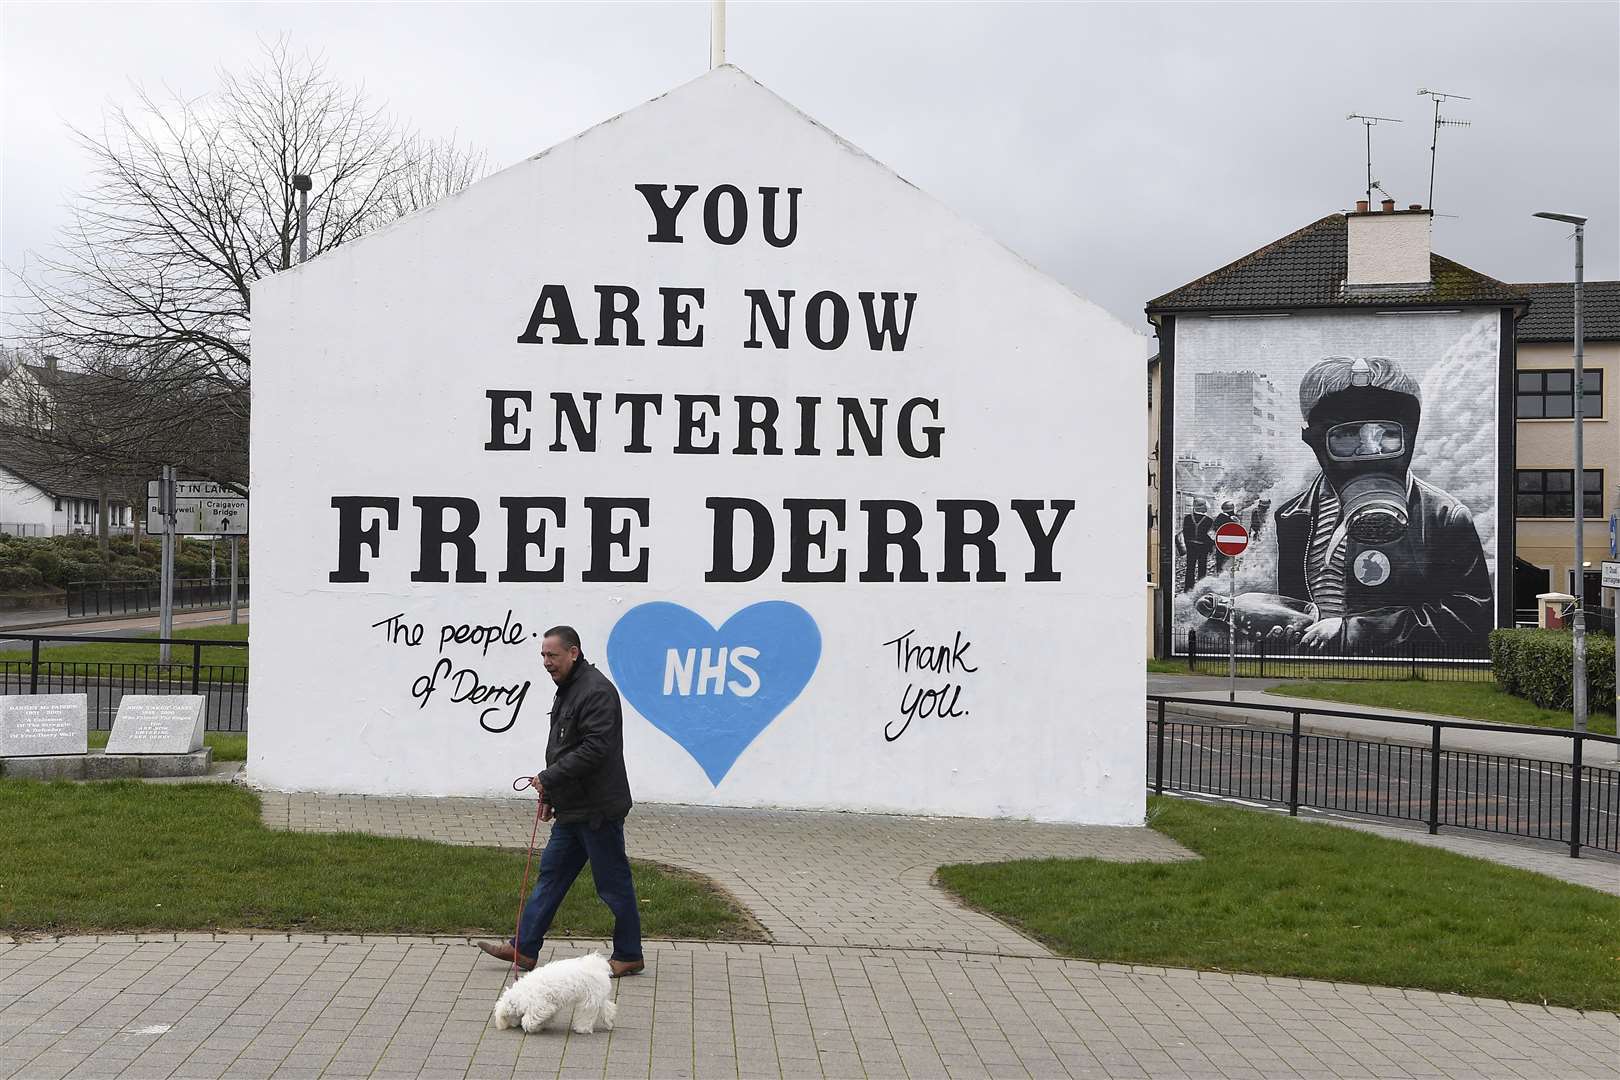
{"x": 1207, "y": 654}
{"x": 1570, "y": 802}
{"x": 120, "y": 597}
{"x": 34, "y": 528}
{"x": 106, "y": 683}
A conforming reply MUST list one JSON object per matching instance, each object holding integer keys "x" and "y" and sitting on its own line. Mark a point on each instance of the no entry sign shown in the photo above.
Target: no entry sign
{"x": 1231, "y": 539}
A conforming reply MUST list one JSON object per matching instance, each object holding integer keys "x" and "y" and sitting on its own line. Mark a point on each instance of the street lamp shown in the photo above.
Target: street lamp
{"x": 1580, "y": 474}
{"x": 302, "y": 184}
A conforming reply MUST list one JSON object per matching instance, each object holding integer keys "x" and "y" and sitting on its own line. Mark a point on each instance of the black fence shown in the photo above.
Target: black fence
{"x": 121, "y": 597}
{"x": 1569, "y": 802}
{"x": 106, "y": 683}
{"x": 1207, "y": 653}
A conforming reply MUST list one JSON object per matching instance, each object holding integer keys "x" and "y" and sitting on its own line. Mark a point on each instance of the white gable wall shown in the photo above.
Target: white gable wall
{"x": 371, "y": 370}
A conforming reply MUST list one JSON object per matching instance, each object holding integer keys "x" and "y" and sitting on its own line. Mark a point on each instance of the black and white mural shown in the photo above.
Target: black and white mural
{"x": 1360, "y": 450}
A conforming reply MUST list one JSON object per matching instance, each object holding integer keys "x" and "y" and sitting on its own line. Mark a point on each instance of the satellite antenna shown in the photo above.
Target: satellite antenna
{"x": 1440, "y": 122}
{"x": 1369, "y": 122}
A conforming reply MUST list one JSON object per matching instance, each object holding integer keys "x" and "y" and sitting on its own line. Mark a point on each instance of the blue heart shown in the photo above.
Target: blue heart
{"x": 657, "y": 652}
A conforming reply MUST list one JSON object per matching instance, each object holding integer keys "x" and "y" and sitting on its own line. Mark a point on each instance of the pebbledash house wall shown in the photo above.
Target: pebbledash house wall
{"x": 1233, "y": 316}
{"x": 772, "y": 646}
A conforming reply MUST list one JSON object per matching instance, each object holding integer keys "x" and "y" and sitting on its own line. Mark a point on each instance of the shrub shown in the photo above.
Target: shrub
{"x": 1539, "y": 665}
{"x": 20, "y": 579}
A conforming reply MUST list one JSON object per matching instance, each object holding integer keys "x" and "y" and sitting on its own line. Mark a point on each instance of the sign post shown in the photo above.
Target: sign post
{"x": 233, "y": 581}
{"x": 166, "y": 601}
{"x": 1231, "y": 540}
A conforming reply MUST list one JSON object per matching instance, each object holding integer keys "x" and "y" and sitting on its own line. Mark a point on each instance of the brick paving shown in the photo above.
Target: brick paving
{"x": 871, "y": 972}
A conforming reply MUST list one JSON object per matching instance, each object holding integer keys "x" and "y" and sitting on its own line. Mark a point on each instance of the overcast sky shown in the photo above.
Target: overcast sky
{"x": 1124, "y": 148}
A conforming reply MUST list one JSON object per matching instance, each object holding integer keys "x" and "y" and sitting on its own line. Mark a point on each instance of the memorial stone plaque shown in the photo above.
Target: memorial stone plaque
{"x": 42, "y": 725}
{"x": 158, "y": 724}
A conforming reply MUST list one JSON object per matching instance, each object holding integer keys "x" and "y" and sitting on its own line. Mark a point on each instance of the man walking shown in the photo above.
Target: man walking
{"x": 584, "y": 787}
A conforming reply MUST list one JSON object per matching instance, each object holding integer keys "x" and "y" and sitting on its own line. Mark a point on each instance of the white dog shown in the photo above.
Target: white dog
{"x": 584, "y": 984}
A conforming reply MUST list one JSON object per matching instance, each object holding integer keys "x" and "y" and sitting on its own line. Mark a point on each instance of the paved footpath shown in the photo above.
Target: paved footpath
{"x": 871, "y": 972}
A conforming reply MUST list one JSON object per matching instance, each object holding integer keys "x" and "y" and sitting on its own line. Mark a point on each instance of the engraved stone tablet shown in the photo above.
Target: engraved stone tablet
{"x": 158, "y": 724}
{"x": 37, "y": 725}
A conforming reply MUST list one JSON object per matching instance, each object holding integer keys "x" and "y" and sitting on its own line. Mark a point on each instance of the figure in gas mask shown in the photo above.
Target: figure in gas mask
{"x": 1381, "y": 559}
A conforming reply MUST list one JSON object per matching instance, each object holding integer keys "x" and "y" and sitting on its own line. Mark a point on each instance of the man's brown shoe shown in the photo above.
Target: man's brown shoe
{"x": 505, "y": 953}
{"x": 621, "y": 968}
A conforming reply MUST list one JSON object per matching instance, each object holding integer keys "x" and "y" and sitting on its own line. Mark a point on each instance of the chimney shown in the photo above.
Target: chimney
{"x": 50, "y": 363}
{"x": 1388, "y": 247}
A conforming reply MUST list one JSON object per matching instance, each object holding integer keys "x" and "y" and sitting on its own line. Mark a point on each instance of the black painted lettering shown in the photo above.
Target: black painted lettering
{"x": 584, "y": 432}
{"x": 435, "y": 535}
{"x": 677, "y": 317}
{"x": 748, "y": 424}
{"x": 871, "y": 434}
{"x": 617, "y": 304}
{"x": 501, "y": 420}
{"x": 760, "y": 304}
{"x": 880, "y": 538}
{"x": 724, "y": 567}
{"x": 906, "y": 429}
{"x": 802, "y": 538}
{"x": 604, "y": 538}
{"x": 711, "y": 214}
{"x": 520, "y": 537}
{"x": 877, "y": 334}
{"x": 807, "y": 427}
{"x": 638, "y": 418}
{"x": 690, "y": 423}
{"x": 665, "y": 213}
{"x": 958, "y": 538}
{"x": 1041, "y": 538}
{"x": 813, "y": 314}
{"x": 769, "y": 215}
{"x": 553, "y": 310}
{"x": 352, "y": 535}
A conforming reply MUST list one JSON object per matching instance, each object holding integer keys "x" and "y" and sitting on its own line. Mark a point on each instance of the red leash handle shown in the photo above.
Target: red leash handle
{"x": 523, "y": 783}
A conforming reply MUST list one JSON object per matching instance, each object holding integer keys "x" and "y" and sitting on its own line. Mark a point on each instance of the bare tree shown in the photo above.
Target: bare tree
{"x": 149, "y": 295}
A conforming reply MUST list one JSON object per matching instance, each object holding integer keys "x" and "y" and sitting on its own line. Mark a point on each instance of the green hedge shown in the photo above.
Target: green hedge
{"x": 1539, "y": 665}
{"x": 30, "y": 563}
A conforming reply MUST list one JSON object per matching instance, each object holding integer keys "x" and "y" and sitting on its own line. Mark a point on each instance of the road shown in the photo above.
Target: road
{"x": 1517, "y": 796}
{"x": 133, "y": 624}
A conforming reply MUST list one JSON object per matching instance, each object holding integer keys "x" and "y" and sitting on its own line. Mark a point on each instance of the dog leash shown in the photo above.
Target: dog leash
{"x": 523, "y": 783}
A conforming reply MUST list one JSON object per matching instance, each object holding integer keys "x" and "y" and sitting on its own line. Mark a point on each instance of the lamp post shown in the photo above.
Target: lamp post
{"x": 1580, "y": 473}
{"x": 302, "y": 184}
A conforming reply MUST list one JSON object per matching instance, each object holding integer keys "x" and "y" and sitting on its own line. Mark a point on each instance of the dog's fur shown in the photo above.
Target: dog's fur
{"x": 584, "y": 984}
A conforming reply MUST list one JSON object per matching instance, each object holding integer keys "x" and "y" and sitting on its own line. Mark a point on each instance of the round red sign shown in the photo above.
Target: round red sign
{"x": 1231, "y": 539}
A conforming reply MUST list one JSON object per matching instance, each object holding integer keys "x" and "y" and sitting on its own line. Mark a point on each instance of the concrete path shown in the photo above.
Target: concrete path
{"x": 257, "y": 1008}
{"x": 872, "y": 972}
{"x": 809, "y": 878}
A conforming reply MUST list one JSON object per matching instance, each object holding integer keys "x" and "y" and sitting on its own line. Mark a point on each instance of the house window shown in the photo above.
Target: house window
{"x": 1550, "y": 394}
{"x": 1548, "y": 493}
{"x": 58, "y": 506}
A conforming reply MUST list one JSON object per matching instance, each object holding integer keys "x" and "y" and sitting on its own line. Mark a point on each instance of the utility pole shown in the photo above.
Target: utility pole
{"x": 717, "y": 33}
{"x": 302, "y": 184}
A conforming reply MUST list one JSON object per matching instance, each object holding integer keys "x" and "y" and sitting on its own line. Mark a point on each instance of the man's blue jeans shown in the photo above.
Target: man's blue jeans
{"x": 570, "y": 847}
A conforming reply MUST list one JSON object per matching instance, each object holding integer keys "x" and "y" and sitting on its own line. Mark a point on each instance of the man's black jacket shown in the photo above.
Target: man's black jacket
{"x": 1438, "y": 592}
{"x": 584, "y": 775}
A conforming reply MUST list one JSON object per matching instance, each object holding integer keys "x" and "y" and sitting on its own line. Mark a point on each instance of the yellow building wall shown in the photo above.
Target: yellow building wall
{"x": 1549, "y": 444}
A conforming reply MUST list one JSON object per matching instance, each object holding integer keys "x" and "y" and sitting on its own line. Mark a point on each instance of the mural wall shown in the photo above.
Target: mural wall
{"x": 823, "y": 476}
{"x": 1360, "y": 450}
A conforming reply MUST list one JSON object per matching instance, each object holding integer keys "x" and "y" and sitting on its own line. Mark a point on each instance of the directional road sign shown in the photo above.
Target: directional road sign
{"x": 201, "y": 508}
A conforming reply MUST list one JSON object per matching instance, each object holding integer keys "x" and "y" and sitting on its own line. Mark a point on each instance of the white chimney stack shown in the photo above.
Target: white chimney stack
{"x": 1389, "y": 246}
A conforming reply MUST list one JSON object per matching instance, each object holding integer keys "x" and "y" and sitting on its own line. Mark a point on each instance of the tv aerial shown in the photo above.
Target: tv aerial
{"x": 1440, "y": 122}
{"x": 1370, "y": 122}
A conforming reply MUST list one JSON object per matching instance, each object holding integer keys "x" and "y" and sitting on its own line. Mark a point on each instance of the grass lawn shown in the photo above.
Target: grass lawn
{"x": 119, "y": 653}
{"x": 223, "y": 659}
{"x": 1472, "y": 701}
{"x": 228, "y": 745}
{"x": 1275, "y": 896}
{"x": 125, "y": 856}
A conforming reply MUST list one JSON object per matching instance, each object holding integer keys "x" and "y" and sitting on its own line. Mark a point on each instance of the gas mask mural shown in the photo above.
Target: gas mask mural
{"x": 1364, "y": 554}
